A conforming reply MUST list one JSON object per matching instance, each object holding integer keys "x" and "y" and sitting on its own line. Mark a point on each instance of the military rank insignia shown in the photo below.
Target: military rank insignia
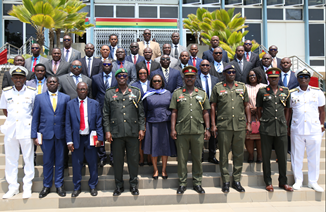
{"x": 181, "y": 98}
{"x": 200, "y": 101}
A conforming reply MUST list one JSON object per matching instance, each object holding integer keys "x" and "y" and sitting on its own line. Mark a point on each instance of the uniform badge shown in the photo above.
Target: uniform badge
{"x": 184, "y": 90}
{"x": 181, "y": 98}
{"x": 266, "y": 94}
{"x": 236, "y": 85}
{"x": 281, "y": 89}
{"x": 282, "y": 94}
{"x": 10, "y": 100}
{"x": 223, "y": 92}
{"x": 117, "y": 90}
{"x": 132, "y": 96}
{"x": 268, "y": 89}
{"x": 114, "y": 97}
{"x": 224, "y": 84}
{"x": 196, "y": 90}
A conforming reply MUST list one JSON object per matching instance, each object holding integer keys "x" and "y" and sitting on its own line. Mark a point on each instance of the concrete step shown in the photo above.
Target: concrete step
{"x": 159, "y": 197}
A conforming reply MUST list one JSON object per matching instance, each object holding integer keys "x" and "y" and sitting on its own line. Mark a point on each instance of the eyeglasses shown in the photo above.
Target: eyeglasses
{"x": 107, "y": 64}
{"x": 35, "y": 48}
{"x": 249, "y": 44}
{"x": 74, "y": 66}
{"x": 122, "y": 75}
{"x": 230, "y": 72}
{"x": 66, "y": 39}
{"x": 266, "y": 58}
{"x": 142, "y": 73}
{"x": 133, "y": 47}
{"x": 162, "y": 58}
{"x": 82, "y": 89}
{"x": 252, "y": 75}
{"x": 157, "y": 81}
{"x": 303, "y": 76}
{"x": 147, "y": 33}
{"x": 273, "y": 50}
{"x": 218, "y": 52}
{"x": 205, "y": 65}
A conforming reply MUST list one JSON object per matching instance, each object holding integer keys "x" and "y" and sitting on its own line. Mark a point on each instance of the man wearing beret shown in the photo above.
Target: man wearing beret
{"x": 189, "y": 113}
{"x": 273, "y": 104}
{"x": 307, "y": 127}
{"x": 231, "y": 102}
{"x": 17, "y": 103}
{"x": 124, "y": 126}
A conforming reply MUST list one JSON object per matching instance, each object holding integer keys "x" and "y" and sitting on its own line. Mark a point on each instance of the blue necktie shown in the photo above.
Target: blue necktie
{"x": 77, "y": 81}
{"x": 89, "y": 67}
{"x": 207, "y": 87}
{"x": 219, "y": 68}
{"x": 285, "y": 80}
{"x": 107, "y": 84}
{"x": 67, "y": 55}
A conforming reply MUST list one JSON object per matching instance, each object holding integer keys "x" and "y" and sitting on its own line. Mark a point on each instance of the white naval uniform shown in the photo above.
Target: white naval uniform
{"x": 17, "y": 130}
{"x": 306, "y": 131}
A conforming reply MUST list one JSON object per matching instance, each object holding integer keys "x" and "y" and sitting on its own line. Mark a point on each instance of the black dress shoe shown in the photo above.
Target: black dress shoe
{"x": 237, "y": 186}
{"x": 93, "y": 192}
{"x": 155, "y": 177}
{"x": 149, "y": 163}
{"x": 61, "y": 191}
{"x": 134, "y": 190}
{"x": 75, "y": 193}
{"x": 181, "y": 189}
{"x": 65, "y": 166}
{"x": 118, "y": 191}
{"x": 141, "y": 164}
{"x": 45, "y": 191}
{"x": 102, "y": 163}
{"x": 199, "y": 189}
{"x": 226, "y": 187}
{"x": 213, "y": 160}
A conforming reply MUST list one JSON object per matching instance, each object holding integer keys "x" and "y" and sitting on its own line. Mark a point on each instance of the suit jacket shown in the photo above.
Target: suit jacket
{"x": 153, "y": 45}
{"x": 28, "y": 62}
{"x": 208, "y": 55}
{"x": 6, "y": 81}
{"x": 214, "y": 81}
{"x": 179, "y": 68}
{"x": 174, "y": 81}
{"x": 198, "y": 61}
{"x": 241, "y": 76}
{"x": 213, "y": 71}
{"x": 262, "y": 74}
{"x": 68, "y": 86}
{"x": 111, "y": 55}
{"x": 73, "y": 121}
{"x": 139, "y": 59}
{"x": 132, "y": 73}
{"x": 254, "y": 59}
{"x": 33, "y": 83}
{"x": 154, "y": 65}
{"x": 138, "y": 85}
{"x": 180, "y": 49}
{"x": 278, "y": 63}
{"x": 99, "y": 89}
{"x": 96, "y": 66}
{"x": 46, "y": 121}
{"x": 173, "y": 62}
{"x": 75, "y": 55}
{"x": 293, "y": 82}
{"x": 64, "y": 68}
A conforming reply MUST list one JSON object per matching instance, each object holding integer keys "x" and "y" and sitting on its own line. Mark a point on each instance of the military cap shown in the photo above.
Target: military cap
{"x": 189, "y": 70}
{"x": 303, "y": 71}
{"x": 120, "y": 70}
{"x": 228, "y": 67}
{"x": 273, "y": 72}
{"x": 18, "y": 70}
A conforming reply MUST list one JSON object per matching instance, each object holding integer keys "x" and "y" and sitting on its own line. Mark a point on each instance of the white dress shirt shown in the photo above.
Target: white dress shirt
{"x": 221, "y": 66}
{"x": 203, "y": 82}
{"x": 74, "y": 78}
{"x": 53, "y": 97}
{"x": 144, "y": 85}
{"x": 133, "y": 58}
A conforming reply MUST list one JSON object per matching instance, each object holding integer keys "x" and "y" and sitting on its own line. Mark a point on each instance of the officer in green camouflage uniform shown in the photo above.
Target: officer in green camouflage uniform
{"x": 189, "y": 113}
{"x": 229, "y": 103}
{"x": 124, "y": 125}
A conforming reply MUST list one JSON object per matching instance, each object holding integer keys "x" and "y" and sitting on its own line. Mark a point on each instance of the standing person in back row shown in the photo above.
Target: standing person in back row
{"x": 147, "y": 43}
{"x": 208, "y": 55}
{"x": 69, "y": 54}
{"x": 176, "y": 47}
{"x": 31, "y": 62}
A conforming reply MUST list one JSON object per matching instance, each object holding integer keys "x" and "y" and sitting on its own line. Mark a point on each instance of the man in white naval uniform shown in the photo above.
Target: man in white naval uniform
{"x": 307, "y": 105}
{"x": 17, "y": 104}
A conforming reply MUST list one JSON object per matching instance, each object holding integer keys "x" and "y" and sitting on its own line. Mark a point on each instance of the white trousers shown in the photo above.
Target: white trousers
{"x": 12, "y": 156}
{"x": 312, "y": 144}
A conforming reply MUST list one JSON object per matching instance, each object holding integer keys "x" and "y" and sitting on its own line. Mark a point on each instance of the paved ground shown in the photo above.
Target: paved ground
{"x": 220, "y": 207}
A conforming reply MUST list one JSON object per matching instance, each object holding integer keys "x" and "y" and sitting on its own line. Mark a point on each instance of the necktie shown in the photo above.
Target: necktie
{"x": 247, "y": 57}
{"x": 166, "y": 75}
{"x": 274, "y": 63}
{"x": 218, "y": 69}
{"x": 82, "y": 118}
{"x": 121, "y": 65}
{"x": 194, "y": 61}
{"x": 77, "y": 81}
{"x": 113, "y": 54}
{"x": 135, "y": 59}
{"x": 55, "y": 67}
{"x": 176, "y": 51}
{"x": 207, "y": 87}
{"x": 148, "y": 68}
{"x": 34, "y": 64}
{"x": 147, "y": 45}
{"x": 67, "y": 54}
{"x": 285, "y": 80}
{"x": 241, "y": 65}
{"x": 107, "y": 83}
{"x": 39, "y": 87}
{"x": 54, "y": 102}
{"x": 89, "y": 66}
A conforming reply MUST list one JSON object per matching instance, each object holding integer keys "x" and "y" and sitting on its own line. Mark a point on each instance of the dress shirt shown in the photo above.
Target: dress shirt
{"x": 144, "y": 85}
{"x": 216, "y": 64}
{"x": 109, "y": 78}
{"x": 102, "y": 58}
{"x": 133, "y": 57}
{"x": 149, "y": 43}
{"x": 287, "y": 77}
{"x": 53, "y": 97}
{"x": 37, "y": 61}
{"x": 150, "y": 64}
{"x": 74, "y": 78}
{"x": 69, "y": 54}
{"x": 114, "y": 51}
{"x": 43, "y": 81}
{"x": 86, "y": 130}
{"x": 240, "y": 62}
{"x": 166, "y": 73}
{"x": 249, "y": 53}
{"x": 91, "y": 63}
{"x": 184, "y": 65}
{"x": 203, "y": 82}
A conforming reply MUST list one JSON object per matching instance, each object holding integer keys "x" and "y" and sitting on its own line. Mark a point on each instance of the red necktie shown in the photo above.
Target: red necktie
{"x": 135, "y": 59}
{"x": 248, "y": 57}
{"x": 121, "y": 65}
{"x": 82, "y": 119}
{"x": 34, "y": 64}
{"x": 148, "y": 69}
{"x": 194, "y": 61}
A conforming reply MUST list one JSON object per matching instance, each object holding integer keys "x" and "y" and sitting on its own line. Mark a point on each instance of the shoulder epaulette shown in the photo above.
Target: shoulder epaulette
{"x": 110, "y": 88}
{"x": 238, "y": 82}
{"x": 294, "y": 89}
{"x": 316, "y": 88}
{"x": 7, "y": 88}
{"x": 133, "y": 87}
{"x": 200, "y": 89}
{"x": 285, "y": 87}
{"x": 34, "y": 89}
{"x": 262, "y": 87}
{"x": 177, "y": 89}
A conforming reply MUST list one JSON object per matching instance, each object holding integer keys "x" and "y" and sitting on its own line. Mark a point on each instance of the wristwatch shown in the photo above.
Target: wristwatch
{"x": 322, "y": 126}
{"x": 208, "y": 128}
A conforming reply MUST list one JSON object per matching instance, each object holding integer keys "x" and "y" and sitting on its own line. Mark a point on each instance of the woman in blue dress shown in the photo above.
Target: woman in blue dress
{"x": 158, "y": 116}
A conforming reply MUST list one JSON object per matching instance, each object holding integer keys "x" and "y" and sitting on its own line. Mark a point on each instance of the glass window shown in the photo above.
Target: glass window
{"x": 147, "y": 12}
{"x": 254, "y": 32}
{"x": 14, "y": 32}
{"x": 30, "y": 31}
{"x": 316, "y": 39}
{"x": 125, "y": 11}
{"x": 275, "y": 14}
{"x": 191, "y": 1}
{"x": 248, "y": 2}
{"x": 275, "y": 2}
{"x": 316, "y": 2}
{"x": 104, "y": 11}
{"x": 317, "y": 14}
{"x": 188, "y": 10}
{"x": 253, "y": 13}
{"x": 6, "y": 8}
{"x": 316, "y": 62}
{"x": 233, "y": 1}
{"x": 211, "y": 9}
{"x": 293, "y": 2}
{"x": 169, "y": 12}
{"x": 86, "y": 9}
{"x": 210, "y": 1}
{"x": 293, "y": 14}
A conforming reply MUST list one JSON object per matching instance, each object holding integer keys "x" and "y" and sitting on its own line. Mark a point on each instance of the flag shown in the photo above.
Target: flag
{"x": 3, "y": 57}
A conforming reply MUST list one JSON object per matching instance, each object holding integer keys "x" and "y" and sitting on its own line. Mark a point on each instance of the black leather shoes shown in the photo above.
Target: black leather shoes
{"x": 102, "y": 163}
{"x": 134, "y": 190}
{"x": 93, "y": 192}
{"x": 199, "y": 189}
{"x": 181, "y": 189}
{"x": 45, "y": 191}
{"x": 61, "y": 191}
{"x": 213, "y": 160}
{"x": 237, "y": 186}
{"x": 75, "y": 193}
{"x": 226, "y": 187}
{"x": 118, "y": 191}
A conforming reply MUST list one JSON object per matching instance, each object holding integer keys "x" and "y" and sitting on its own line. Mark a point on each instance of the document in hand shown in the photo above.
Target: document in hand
{"x": 93, "y": 139}
{"x": 40, "y": 138}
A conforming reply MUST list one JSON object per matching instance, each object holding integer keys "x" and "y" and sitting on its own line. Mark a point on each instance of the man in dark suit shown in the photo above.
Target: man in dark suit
{"x": 217, "y": 66}
{"x": 167, "y": 51}
{"x": 18, "y": 61}
{"x": 122, "y": 63}
{"x": 276, "y": 62}
{"x": 148, "y": 64}
{"x": 194, "y": 60}
{"x": 249, "y": 55}
{"x": 31, "y": 62}
{"x": 39, "y": 82}
{"x": 113, "y": 39}
{"x": 241, "y": 66}
{"x": 83, "y": 122}
{"x": 287, "y": 77}
{"x": 68, "y": 53}
{"x": 56, "y": 66}
{"x": 176, "y": 47}
{"x": 105, "y": 52}
{"x": 207, "y": 82}
{"x": 182, "y": 63}
{"x": 208, "y": 55}
{"x": 134, "y": 57}
{"x": 90, "y": 65}
{"x": 266, "y": 63}
{"x": 51, "y": 106}
{"x": 172, "y": 78}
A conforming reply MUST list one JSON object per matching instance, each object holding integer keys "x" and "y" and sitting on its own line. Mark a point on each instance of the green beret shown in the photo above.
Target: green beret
{"x": 120, "y": 70}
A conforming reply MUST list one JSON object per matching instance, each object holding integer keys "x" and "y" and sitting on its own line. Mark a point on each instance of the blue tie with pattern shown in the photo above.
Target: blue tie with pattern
{"x": 207, "y": 87}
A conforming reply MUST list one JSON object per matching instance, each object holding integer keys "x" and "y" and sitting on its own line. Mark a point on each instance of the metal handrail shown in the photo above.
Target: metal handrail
{"x": 304, "y": 64}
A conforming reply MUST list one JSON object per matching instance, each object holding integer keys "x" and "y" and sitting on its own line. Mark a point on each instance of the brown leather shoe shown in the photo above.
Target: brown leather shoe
{"x": 286, "y": 187}
{"x": 270, "y": 188}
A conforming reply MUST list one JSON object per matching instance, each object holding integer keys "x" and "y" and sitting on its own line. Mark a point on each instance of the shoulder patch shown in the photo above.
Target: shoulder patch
{"x": 134, "y": 87}
{"x": 34, "y": 89}
{"x": 293, "y": 90}
{"x": 7, "y": 88}
{"x": 200, "y": 89}
{"x": 110, "y": 88}
{"x": 177, "y": 89}
{"x": 240, "y": 83}
{"x": 316, "y": 88}
{"x": 261, "y": 88}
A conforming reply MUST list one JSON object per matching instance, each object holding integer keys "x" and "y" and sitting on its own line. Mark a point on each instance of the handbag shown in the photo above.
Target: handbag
{"x": 255, "y": 127}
